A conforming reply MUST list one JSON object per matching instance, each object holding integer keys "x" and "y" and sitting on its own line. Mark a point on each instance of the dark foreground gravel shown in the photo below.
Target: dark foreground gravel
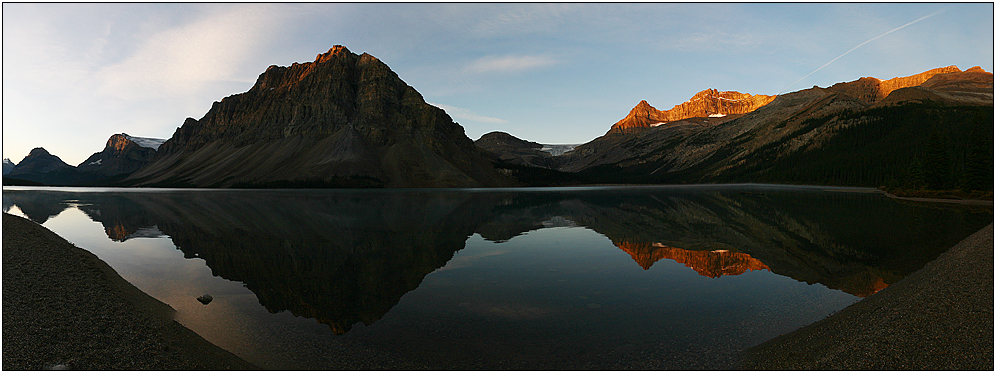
{"x": 63, "y": 308}
{"x": 938, "y": 318}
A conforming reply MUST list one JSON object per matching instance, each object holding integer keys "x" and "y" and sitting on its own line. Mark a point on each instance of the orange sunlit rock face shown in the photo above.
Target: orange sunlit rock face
{"x": 872, "y": 288}
{"x": 117, "y": 142}
{"x": 707, "y": 263}
{"x": 703, "y": 104}
{"x": 871, "y": 90}
{"x": 118, "y": 232}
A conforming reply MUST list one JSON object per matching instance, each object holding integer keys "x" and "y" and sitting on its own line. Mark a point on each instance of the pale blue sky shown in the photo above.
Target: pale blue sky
{"x": 74, "y": 74}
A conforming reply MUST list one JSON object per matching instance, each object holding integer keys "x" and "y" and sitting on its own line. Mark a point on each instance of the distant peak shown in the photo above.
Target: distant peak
{"x": 332, "y": 53}
{"x": 642, "y": 107}
{"x": 38, "y": 151}
{"x": 710, "y": 102}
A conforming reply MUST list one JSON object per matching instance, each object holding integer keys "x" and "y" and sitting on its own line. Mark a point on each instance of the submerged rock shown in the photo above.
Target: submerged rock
{"x": 205, "y": 299}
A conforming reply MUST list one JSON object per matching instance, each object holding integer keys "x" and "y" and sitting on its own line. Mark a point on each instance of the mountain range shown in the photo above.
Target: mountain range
{"x": 122, "y": 155}
{"x": 347, "y": 120}
{"x": 930, "y": 128}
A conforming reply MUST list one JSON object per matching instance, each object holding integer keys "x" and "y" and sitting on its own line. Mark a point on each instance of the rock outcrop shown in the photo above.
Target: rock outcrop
{"x": 517, "y": 151}
{"x": 709, "y": 103}
{"x": 950, "y": 87}
{"x": 872, "y": 90}
{"x": 121, "y": 155}
{"x": 342, "y": 120}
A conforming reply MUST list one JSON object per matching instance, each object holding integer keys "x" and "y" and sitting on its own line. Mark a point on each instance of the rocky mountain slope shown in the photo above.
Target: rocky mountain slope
{"x": 342, "y": 120}
{"x": 40, "y": 166}
{"x": 7, "y": 166}
{"x": 709, "y": 103}
{"x": 516, "y": 151}
{"x": 122, "y": 154}
{"x": 867, "y": 132}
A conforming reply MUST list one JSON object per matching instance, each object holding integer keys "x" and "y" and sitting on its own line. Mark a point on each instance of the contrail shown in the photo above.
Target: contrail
{"x": 942, "y": 10}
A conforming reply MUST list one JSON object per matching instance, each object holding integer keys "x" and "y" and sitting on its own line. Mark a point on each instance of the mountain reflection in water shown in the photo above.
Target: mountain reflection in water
{"x": 712, "y": 264}
{"x": 342, "y": 257}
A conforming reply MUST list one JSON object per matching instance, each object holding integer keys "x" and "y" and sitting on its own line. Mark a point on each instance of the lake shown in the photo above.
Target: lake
{"x": 648, "y": 277}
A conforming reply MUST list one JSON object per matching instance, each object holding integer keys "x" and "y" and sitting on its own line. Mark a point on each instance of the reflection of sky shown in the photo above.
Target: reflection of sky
{"x": 562, "y": 286}
{"x": 234, "y": 320}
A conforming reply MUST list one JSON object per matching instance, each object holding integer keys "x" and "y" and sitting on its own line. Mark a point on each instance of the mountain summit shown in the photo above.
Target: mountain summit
{"x": 122, "y": 154}
{"x": 342, "y": 120}
{"x": 708, "y": 103}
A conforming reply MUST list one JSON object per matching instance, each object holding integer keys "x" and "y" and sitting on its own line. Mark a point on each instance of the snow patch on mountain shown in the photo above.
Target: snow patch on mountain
{"x": 145, "y": 142}
{"x": 7, "y": 166}
{"x": 558, "y": 149}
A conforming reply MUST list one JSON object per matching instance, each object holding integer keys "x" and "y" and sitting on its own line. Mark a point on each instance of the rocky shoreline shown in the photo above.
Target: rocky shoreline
{"x": 938, "y": 318}
{"x": 65, "y": 309}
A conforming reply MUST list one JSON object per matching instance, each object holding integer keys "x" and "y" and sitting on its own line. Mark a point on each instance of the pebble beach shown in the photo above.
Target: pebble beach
{"x": 65, "y": 309}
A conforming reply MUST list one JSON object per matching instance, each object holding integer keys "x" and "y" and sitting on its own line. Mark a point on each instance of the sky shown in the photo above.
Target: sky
{"x": 559, "y": 73}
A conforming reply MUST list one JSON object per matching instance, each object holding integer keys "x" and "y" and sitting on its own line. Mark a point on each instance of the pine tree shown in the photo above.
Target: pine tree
{"x": 979, "y": 163}
{"x": 936, "y": 168}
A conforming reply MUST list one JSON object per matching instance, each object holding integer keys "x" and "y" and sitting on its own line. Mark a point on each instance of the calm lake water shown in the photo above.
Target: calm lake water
{"x": 679, "y": 277}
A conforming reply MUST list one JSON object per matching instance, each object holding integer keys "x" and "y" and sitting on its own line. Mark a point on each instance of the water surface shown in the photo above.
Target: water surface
{"x": 561, "y": 278}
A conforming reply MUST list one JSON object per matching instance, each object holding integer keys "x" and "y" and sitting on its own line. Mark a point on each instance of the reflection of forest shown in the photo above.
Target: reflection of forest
{"x": 343, "y": 257}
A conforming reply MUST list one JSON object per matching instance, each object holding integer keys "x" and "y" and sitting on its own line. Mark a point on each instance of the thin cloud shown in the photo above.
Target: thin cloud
{"x": 178, "y": 60}
{"x": 509, "y": 64}
{"x": 865, "y": 42}
{"x": 519, "y": 19}
{"x": 461, "y": 113}
{"x": 711, "y": 41}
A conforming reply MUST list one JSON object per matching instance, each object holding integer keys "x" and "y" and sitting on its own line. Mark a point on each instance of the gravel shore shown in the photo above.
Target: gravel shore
{"x": 64, "y": 308}
{"x": 938, "y": 318}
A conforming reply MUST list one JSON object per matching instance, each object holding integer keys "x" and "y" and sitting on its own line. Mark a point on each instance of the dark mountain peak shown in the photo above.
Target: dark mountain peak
{"x": 122, "y": 154}
{"x": 38, "y": 152}
{"x": 39, "y": 162}
{"x": 319, "y": 121}
{"x": 498, "y": 138}
{"x": 7, "y": 166}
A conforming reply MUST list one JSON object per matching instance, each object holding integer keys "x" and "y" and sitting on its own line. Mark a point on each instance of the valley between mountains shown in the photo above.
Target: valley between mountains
{"x": 347, "y": 120}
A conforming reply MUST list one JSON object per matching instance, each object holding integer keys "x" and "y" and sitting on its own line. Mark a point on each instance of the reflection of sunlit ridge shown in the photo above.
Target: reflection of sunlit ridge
{"x": 707, "y": 263}
{"x": 118, "y": 232}
{"x": 873, "y": 288}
